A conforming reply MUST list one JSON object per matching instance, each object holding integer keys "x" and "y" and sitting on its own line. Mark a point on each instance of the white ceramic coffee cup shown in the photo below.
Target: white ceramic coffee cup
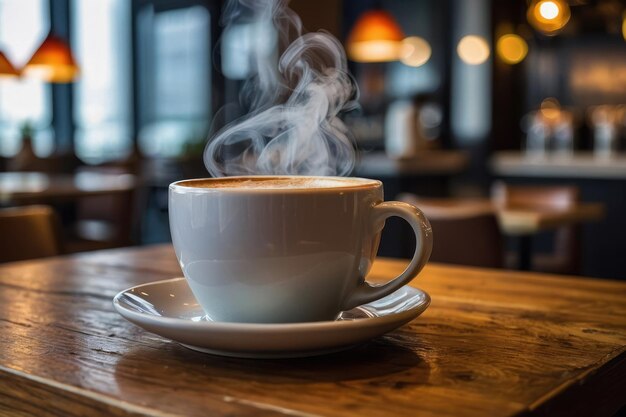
{"x": 276, "y": 254}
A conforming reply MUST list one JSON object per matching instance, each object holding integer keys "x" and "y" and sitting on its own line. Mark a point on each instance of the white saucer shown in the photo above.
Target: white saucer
{"x": 169, "y": 309}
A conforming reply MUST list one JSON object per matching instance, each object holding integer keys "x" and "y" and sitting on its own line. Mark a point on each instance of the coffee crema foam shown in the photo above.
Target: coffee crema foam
{"x": 278, "y": 183}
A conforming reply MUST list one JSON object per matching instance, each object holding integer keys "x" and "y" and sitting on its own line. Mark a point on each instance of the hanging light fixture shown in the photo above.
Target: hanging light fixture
{"x": 473, "y": 49}
{"x": 511, "y": 48}
{"x": 375, "y": 37}
{"x": 52, "y": 62}
{"x": 6, "y": 68}
{"x": 548, "y": 16}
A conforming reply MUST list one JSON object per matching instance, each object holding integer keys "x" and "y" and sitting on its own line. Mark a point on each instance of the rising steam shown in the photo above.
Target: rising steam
{"x": 293, "y": 125}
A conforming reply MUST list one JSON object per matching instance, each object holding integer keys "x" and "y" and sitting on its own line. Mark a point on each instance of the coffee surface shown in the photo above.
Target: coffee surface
{"x": 275, "y": 183}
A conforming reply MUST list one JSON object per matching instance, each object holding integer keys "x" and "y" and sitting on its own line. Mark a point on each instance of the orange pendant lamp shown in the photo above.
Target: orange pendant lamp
{"x": 6, "y": 68}
{"x": 52, "y": 62}
{"x": 375, "y": 37}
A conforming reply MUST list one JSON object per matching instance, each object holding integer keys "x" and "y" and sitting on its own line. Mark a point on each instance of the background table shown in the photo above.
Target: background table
{"x": 492, "y": 343}
{"x": 97, "y": 209}
{"x": 30, "y": 187}
{"x": 519, "y": 221}
{"x": 598, "y": 179}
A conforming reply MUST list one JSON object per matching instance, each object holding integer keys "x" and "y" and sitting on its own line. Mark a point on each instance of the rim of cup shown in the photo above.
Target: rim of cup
{"x": 202, "y": 185}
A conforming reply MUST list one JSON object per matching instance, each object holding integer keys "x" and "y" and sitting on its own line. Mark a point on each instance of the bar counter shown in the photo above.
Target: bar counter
{"x": 577, "y": 165}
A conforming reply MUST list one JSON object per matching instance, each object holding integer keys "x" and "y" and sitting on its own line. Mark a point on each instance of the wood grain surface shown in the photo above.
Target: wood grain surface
{"x": 492, "y": 343}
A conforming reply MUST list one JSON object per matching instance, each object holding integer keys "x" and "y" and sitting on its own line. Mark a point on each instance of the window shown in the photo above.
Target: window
{"x": 178, "y": 80}
{"x": 101, "y": 40}
{"x": 23, "y": 26}
{"x": 245, "y": 45}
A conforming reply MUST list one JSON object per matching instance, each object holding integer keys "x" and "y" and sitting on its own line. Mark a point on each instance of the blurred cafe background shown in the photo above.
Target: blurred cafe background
{"x": 505, "y": 121}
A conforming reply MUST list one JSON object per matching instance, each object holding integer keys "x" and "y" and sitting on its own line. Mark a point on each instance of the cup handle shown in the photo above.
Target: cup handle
{"x": 365, "y": 293}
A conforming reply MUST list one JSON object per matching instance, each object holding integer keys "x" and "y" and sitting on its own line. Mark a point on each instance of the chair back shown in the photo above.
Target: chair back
{"x": 28, "y": 232}
{"x": 463, "y": 234}
{"x": 105, "y": 221}
{"x": 550, "y": 197}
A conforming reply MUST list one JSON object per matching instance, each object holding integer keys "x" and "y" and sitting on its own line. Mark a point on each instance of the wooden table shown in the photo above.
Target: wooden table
{"x": 492, "y": 343}
{"x": 520, "y": 221}
{"x": 36, "y": 187}
{"x": 598, "y": 178}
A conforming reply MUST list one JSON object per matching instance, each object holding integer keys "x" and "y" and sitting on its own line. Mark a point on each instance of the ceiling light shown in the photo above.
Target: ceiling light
{"x": 473, "y": 50}
{"x": 375, "y": 37}
{"x": 6, "y": 68}
{"x": 548, "y": 16}
{"x": 52, "y": 62}
{"x": 415, "y": 51}
{"x": 511, "y": 48}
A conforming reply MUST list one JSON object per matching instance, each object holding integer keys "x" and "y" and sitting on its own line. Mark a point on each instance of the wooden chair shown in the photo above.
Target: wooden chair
{"x": 565, "y": 256}
{"x": 464, "y": 235}
{"x": 103, "y": 222}
{"x": 28, "y": 232}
